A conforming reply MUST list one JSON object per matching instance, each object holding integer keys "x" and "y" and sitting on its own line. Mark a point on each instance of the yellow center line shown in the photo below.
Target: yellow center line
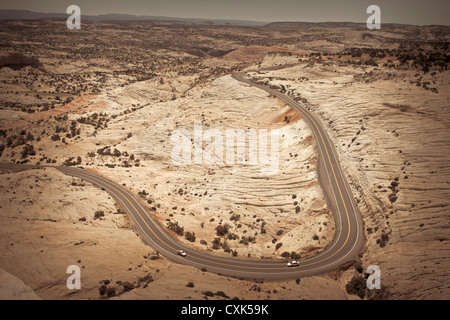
{"x": 337, "y": 184}
{"x": 313, "y": 121}
{"x": 162, "y": 241}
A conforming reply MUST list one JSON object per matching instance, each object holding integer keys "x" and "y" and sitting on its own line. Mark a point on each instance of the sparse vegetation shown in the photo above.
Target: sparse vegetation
{"x": 177, "y": 59}
{"x": 357, "y": 286}
{"x": 99, "y": 214}
{"x": 175, "y": 228}
{"x": 222, "y": 229}
{"x": 190, "y": 236}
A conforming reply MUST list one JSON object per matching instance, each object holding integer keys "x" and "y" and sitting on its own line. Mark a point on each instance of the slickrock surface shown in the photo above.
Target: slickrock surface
{"x": 392, "y": 138}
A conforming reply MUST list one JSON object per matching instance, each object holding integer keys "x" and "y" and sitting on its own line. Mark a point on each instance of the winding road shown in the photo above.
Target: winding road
{"x": 348, "y": 240}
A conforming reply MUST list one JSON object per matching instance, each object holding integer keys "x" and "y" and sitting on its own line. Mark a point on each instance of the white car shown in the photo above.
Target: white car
{"x": 293, "y": 263}
{"x": 181, "y": 253}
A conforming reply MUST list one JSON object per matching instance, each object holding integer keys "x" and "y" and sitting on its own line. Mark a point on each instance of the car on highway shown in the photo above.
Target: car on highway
{"x": 181, "y": 253}
{"x": 293, "y": 263}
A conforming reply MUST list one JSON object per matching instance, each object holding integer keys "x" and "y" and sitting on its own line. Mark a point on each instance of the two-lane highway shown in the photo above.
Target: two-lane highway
{"x": 349, "y": 237}
{"x": 346, "y": 245}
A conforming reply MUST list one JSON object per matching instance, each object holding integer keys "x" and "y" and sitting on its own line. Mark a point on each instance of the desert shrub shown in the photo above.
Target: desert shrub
{"x": 226, "y": 247}
{"x": 106, "y": 151}
{"x": 278, "y": 246}
{"x": 143, "y": 193}
{"x": 232, "y": 236}
{"x": 102, "y": 289}
{"x": 98, "y": 214}
{"x": 208, "y": 293}
{"x": 371, "y": 62}
{"x": 29, "y": 136}
{"x": 235, "y": 217}
{"x": 117, "y": 153}
{"x": 263, "y": 229}
{"x": 69, "y": 162}
{"x": 222, "y": 230}
{"x": 216, "y": 244}
{"x": 222, "y": 294}
{"x": 393, "y": 198}
{"x": 127, "y": 286}
{"x": 295, "y": 255}
{"x": 19, "y": 142}
{"x": 175, "y": 228}
{"x": 357, "y": 286}
{"x": 246, "y": 240}
{"x": 383, "y": 240}
{"x": 144, "y": 281}
{"x": 190, "y": 285}
{"x": 190, "y": 236}
{"x": 28, "y": 150}
{"x": 358, "y": 267}
{"x": 110, "y": 292}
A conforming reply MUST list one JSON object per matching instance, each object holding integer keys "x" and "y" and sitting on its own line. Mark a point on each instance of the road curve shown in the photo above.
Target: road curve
{"x": 349, "y": 238}
{"x": 346, "y": 245}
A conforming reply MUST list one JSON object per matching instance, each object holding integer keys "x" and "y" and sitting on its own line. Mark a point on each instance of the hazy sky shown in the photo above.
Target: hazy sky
{"x": 417, "y": 12}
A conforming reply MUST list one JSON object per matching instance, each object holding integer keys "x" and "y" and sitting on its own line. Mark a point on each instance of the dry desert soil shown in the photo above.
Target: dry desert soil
{"x": 110, "y": 97}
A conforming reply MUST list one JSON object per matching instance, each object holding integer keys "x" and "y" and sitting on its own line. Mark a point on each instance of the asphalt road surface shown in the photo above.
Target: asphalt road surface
{"x": 345, "y": 247}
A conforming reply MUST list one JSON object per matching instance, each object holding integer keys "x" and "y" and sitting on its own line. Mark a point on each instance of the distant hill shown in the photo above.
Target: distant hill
{"x": 25, "y": 14}
{"x": 305, "y": 25}
{"x": 11, "y": 14}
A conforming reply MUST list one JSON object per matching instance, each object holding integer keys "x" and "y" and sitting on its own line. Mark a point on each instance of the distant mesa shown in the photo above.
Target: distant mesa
{"x": 18, "y": 61}
{"x": 9, "y": 14}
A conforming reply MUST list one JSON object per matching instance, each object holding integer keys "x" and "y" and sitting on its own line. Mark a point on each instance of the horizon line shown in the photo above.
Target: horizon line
{"x": 200, "y": 18}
